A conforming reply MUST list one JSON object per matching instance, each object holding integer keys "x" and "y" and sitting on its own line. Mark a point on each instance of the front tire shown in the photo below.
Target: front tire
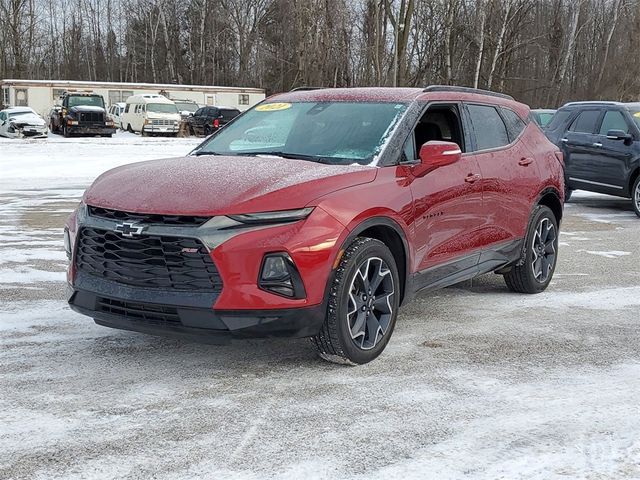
{"x": 635, "y": 196}
{"x": 534, "y": 271}
{"x": 363, "y": 304}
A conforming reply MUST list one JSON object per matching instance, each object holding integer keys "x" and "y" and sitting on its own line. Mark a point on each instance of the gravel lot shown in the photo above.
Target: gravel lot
{"x": 476, "y": 382}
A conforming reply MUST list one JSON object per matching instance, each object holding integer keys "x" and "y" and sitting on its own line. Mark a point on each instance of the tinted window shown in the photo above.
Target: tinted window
{"x": 559, "y": 119}
{"x": 488, "y": 126}
{"x": 229, "y": 114}
{"x": 515, "y": 125}
{"x": 613, "y": 120}
{"x": 585, "y": 122}
{"x": 199, "y": 112}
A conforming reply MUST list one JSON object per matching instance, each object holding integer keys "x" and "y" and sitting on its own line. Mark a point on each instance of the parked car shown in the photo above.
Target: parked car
{"x": 601, "y": 146}
{"x": 18, "y": 122}
{"x": 81, "y": 114}
{"x": 151, "y": 114}
{"x": 207, "y": 120}
{"x": 115, "y": 113}
{"x": 186, "y": 107}
{"x": 542, "y": 116}
{"x": 369, "y": 196}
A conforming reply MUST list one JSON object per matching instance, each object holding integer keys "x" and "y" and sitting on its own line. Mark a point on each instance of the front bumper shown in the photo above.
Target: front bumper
{"x": 161, "y": 128}
{"x": 91, "y": 130}
{"x": 184, "y": 315}
{"x": 240, "y": 308}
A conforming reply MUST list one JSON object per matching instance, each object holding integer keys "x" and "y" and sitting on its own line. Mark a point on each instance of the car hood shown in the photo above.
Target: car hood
{"x": 27, "y": 119}
{"x": 214, "y": 185}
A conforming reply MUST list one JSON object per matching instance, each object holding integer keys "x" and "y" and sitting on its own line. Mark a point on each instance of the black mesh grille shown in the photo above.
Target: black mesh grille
{"x": 147, "y": 261}
{"x": 91, "y": 117}
{"x": 150, "y": 313}
{"x": 147, "y": 218}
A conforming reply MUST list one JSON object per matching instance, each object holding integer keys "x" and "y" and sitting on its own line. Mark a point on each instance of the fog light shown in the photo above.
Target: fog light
{"x": 67, "y": 243}
{"x": 279, "y": 275}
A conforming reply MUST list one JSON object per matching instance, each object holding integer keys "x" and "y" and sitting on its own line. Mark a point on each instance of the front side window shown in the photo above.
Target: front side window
{"x": 613, "y": 120}
{"x": 585, "y": 122}
{"x": 162, "y": 108}
{"x": 489, "y": 128}
{"x": 326, "y": 132}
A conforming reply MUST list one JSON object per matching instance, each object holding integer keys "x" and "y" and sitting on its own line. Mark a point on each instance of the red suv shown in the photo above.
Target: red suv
{"x": 317, "y": 214}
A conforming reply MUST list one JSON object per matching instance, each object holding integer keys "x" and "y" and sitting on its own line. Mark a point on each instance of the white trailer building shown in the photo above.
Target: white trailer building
{"x": 41, "y": 95}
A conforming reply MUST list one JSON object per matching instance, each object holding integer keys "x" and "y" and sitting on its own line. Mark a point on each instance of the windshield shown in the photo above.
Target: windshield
{"x": 162, "y": 108}
{"x": 635, "y": 114}
{"x": 186, "y": 107}
{"x": 95, "y": 101}
{"x": 327, "y": 132}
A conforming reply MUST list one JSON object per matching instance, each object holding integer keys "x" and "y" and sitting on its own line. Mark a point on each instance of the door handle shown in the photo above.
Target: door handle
{"x": 525, "y": 161}
{"x": 472, "y": 178}
{"x": 564, "y": 140}
{"x": 596, "y": 144}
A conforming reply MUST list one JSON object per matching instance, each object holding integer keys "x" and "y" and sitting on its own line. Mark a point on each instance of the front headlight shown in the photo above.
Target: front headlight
{"x": 281, "y": 216}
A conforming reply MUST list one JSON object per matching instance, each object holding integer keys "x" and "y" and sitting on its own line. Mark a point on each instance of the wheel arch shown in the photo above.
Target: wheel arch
{"x": 632, "y": 179}
{"x": 550, "y": 197}
{"x": 389, "y": 232}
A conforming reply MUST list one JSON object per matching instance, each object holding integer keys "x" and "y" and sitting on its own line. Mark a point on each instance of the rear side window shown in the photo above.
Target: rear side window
{"x": 229, "y": 114}
{"x": 559, "y": 119}
{"x": 585, "y": 122}
{"x": 488, "y": 126}
{"x": 514, "y": 123}
{"x": 613, "y": 120}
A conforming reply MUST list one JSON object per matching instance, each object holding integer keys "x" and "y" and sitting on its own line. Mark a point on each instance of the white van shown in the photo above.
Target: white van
{"x": 150, "y": 114}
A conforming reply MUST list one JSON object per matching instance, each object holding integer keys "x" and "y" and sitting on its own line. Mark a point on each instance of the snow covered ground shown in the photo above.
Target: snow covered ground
{"x": 476, "y": 382}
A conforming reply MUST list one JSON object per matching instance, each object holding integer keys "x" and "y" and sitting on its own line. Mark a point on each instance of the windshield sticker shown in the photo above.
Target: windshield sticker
{"x": 273, "y": 107}
{"x": 637, "y": 114}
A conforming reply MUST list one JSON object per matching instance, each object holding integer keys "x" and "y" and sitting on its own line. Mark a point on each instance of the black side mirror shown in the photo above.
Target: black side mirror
{"x": 619, "y": 135}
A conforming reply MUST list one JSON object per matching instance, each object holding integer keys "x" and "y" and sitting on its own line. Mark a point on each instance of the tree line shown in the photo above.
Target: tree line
{"x": 543, "y": 52}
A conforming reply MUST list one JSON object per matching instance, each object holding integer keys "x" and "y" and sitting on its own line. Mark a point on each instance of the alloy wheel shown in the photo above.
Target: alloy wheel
{"x": 636, "y": 196}
{"x": 544, "y": 250}
{"x": 370, "y": 311}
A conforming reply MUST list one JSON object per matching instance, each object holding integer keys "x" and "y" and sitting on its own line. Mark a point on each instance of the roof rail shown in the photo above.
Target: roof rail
{"x": 593, "y": 102}
{"x": 451, "y": 88}
{"x": 304, "y": 89}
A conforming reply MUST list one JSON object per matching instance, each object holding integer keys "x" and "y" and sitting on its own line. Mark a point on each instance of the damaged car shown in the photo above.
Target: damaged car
{"x": 19, "y": 122}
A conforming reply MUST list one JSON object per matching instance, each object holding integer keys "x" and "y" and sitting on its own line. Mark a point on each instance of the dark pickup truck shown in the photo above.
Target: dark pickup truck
{"x": 83, "y": 114}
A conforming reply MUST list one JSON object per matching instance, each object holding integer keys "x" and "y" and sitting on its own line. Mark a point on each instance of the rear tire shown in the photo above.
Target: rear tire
{"x": 635, "y": 196}
{"x": 129, "y": 129}
{"x": 363, "y": 304}
{"x": 65, "y": 131}
{"x": 534, "y": 271}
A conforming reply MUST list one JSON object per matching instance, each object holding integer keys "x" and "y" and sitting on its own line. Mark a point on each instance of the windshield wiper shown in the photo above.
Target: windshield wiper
{"x": 292, "y": 156}
{"x": 200, "y": 153}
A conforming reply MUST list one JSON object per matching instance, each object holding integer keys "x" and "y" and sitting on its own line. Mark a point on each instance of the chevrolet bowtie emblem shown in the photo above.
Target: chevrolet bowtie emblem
{"x": 129, "y": 229}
